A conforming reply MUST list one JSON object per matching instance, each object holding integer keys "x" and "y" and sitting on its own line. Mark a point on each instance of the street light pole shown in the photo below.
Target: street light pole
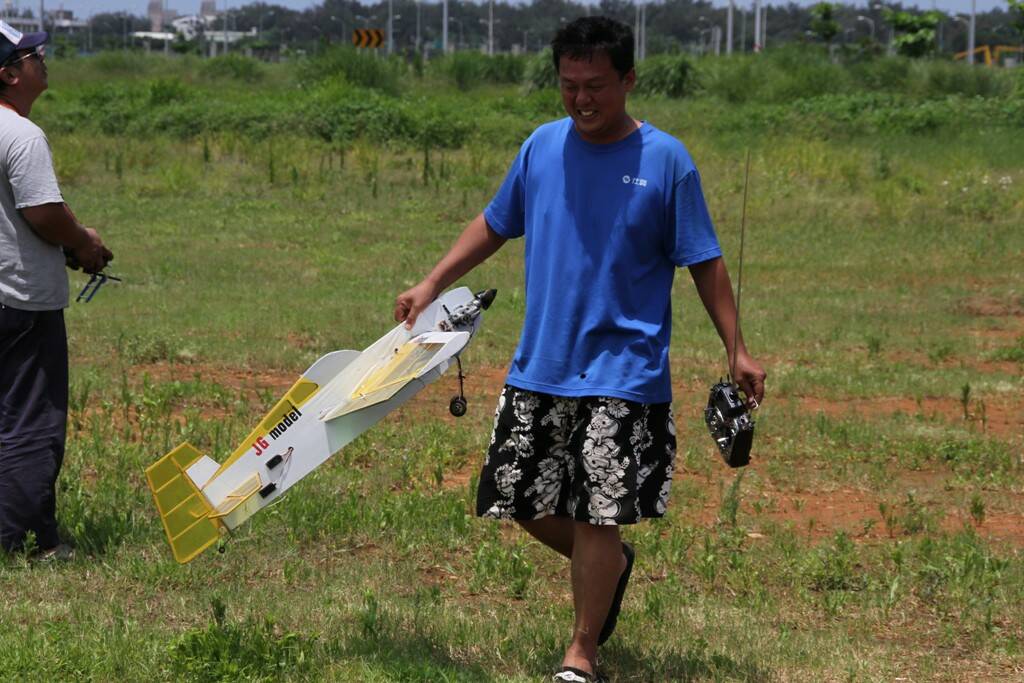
{"x": 459, "y": 22}
{"x": 640, "y": 32}
{"x": 490, "y": 29}
{"x": 757, "y": 26}
{"x": 764, "y": 27}
{"x": 643, "y": 30}
{"x": 728, "y": 28}
{"x": 391, "y": 27}
{"x": 743, "y": 31}
{"x": 636, "y": 34}
{"x": 444, "y": 27}
{"x": 970, "y": 34}
{"x": 870, "y": 22}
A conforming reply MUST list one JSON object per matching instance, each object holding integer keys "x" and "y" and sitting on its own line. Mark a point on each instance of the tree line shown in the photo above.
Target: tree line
{"x": 672, "y": 26}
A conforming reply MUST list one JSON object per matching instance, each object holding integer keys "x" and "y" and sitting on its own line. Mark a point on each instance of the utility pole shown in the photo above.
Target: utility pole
{"x": 490, "y": 29}
{"x": 757, "y": 26}
{"x": 743, "y": 31}
{"x": 419, "y": 5}
{"x": 728, "y": 28}
{"x": 636, "y": 34}
{"x": 444, "y": 27}
{"x": 391, "y": 27}
{"x": 970, "y": 34}
{"x": 764, "y": 27}
{"x": 640, "y": 32}
{"x": 643, "y": 31}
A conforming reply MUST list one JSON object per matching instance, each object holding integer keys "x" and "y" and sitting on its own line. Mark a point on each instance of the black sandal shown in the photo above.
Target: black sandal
{"x": 570, "y": 674}
{"x": 613, "y": 612}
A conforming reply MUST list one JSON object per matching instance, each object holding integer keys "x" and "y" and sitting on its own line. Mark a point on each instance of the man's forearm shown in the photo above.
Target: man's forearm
{"x": 56, "y": 224}
{"x": 715, "y": 291}
{"x": 474, "y": 246}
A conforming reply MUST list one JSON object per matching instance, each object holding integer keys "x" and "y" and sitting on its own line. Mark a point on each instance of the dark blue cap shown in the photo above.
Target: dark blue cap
{"x": 13, "y": 40}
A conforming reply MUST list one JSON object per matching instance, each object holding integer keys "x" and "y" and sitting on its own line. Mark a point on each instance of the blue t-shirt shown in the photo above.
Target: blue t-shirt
{"x": 606, "y": 226}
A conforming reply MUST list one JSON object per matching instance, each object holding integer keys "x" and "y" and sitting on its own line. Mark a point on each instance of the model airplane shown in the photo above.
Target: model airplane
{"x": 338, "y": 398}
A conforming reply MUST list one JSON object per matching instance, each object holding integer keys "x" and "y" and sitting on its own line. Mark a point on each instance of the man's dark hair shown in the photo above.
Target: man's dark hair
{"x": 587, "y": 35}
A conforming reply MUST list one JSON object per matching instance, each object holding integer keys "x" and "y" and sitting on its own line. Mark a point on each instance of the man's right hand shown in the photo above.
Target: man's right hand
{"x": 410, "y": 303}
{"x": 476, "y": 243}
{"x": 90, "y": 252}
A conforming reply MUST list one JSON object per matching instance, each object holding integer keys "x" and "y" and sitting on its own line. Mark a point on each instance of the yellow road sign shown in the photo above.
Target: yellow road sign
{"x": 367, "y": 37}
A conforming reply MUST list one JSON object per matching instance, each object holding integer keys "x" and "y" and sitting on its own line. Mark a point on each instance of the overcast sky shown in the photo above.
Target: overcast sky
{"x": 83, "y": 8}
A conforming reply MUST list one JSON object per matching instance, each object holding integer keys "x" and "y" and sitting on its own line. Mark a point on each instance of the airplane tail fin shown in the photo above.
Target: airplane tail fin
{"x": 184, "y": 511}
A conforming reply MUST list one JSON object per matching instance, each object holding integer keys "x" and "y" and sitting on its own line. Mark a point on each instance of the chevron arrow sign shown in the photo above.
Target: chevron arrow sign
{"x": 367, "y": 37}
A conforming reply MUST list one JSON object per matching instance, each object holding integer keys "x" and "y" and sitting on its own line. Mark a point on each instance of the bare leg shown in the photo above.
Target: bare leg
{"x": 597, "y": 564}
{"x": 554, "y": 532}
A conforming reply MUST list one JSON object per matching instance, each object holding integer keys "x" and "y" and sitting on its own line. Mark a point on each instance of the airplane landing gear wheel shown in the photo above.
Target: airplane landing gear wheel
{"x": 457, "y": 407}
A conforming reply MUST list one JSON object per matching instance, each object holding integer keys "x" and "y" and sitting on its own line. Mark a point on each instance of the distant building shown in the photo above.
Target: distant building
{"x": 208, "y": 8}
{"x": 57, "y": 21}
{"x": 156, "y": 15}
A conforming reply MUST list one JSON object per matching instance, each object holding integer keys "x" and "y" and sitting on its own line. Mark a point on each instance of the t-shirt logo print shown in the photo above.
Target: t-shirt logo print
{"x": 640, "y": 182}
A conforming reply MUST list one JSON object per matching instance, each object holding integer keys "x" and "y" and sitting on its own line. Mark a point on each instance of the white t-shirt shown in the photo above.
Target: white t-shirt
{"x": 32, "y": 272}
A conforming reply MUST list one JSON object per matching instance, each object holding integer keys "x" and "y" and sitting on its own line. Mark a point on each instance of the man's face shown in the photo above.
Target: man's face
{"x": 594, "y": 95}
{"x": 29, "y": 67}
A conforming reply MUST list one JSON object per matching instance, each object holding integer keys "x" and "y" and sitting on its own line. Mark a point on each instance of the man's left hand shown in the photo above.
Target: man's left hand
{"x": 750, "y": 376}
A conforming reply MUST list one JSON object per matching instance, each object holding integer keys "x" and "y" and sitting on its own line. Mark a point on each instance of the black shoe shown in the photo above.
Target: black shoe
{"x": 62, "y": 552}
{"x": 613, "y": 612}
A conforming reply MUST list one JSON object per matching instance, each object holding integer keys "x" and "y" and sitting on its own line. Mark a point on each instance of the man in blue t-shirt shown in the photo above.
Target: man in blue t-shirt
{"x": 583, "y": 438}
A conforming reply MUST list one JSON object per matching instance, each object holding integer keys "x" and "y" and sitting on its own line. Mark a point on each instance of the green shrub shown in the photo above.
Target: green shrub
{"x": 734, "y": 79}
{"x": 468, "y": 70}
{"x": 121, "y": 62}
{"x": 233, "y": 67}
{"x": 889, "y": 74}
{"x": 802, "y": 71}
{"x": 506, "y": 68}
{"x": 540, "y": 72}
{"x": 936, "y": 78}
{"x": 339, "y": 112}
{"x": 464, "y": 69}
{"x": 668, "y": 75}
{"x": 355, "y": 67}
{"x": 779, "y": 76}
{"x": 440, "y": 123}
{"x": 164, "y": 91}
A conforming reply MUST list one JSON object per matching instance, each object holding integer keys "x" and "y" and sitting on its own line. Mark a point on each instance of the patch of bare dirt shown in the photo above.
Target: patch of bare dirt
{"x": 240, "y": 379}
{"x": 991, "y": 307}
{"x": 819, "y": 515}
{"x": 1002, "y": 418}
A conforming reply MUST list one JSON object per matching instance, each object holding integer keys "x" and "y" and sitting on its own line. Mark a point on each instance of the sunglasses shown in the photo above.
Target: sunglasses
{"x": 38, "y": 51}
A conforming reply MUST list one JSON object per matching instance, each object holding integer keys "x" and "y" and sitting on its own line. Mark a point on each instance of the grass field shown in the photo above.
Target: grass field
{"x": 877, "y": 536}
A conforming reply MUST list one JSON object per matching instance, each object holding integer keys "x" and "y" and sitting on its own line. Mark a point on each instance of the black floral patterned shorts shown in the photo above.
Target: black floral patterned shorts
{"x": 595, "y": 459}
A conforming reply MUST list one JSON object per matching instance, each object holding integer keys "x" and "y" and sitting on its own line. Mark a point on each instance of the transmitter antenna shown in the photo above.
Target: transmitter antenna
{"x": 739, "y": 277}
